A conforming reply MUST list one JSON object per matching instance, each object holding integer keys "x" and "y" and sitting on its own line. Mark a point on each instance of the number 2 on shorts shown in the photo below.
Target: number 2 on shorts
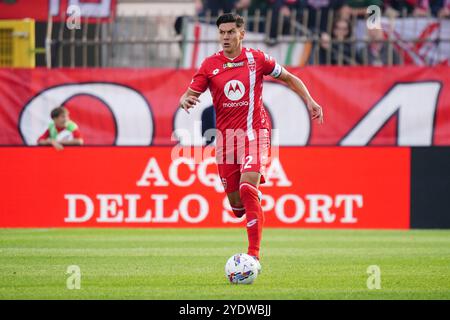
{"x": 248, "y": 160}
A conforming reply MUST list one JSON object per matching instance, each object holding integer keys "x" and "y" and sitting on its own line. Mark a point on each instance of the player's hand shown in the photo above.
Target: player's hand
{"x": 58, "y": 146}
{"x": 189, "y": 102}
{"x": 316, "y": 111}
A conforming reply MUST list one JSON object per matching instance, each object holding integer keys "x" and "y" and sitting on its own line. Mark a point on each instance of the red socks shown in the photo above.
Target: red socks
{"x": 254, "y": 214}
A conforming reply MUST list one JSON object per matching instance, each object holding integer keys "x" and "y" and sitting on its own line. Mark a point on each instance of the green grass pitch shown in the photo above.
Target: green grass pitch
{"x": 189, "y": 264}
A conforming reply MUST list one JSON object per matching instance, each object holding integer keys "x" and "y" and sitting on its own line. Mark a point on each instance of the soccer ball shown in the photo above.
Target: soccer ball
{"x": 242, "y": 269}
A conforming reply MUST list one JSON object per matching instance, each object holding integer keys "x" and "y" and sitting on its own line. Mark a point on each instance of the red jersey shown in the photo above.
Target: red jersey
{"x": 76, "y": 134}
{"x": 236, "y": 89}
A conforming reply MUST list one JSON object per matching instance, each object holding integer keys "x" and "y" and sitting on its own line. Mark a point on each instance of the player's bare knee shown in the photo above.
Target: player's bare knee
{"x": 236, "y": 204}
{"x": 251, "y": 177}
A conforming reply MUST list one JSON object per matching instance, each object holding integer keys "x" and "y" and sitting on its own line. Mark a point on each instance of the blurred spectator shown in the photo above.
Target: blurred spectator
{"x": 337, "y": 50}
{"x": 417, "y": 8}
{"x": 280, "y": 10}
{"x": 242, "y": 4}
{"x": 377, "y": 52}
{"x": 319, "y": 11}
{"x": 214, "y": 6}
{"x": 62, "y": 131}
{"x": 358, "y": 8}
{"x": 440, "y": 8}
{"x": 281, "y": 13}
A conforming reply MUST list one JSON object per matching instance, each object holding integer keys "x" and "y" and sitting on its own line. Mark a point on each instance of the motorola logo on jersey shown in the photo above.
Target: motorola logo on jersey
{"x": 234, "y": 90}
{"x": 235, "y": 104}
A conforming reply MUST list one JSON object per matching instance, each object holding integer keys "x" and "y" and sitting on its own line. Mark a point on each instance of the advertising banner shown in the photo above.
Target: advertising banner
{"x": 316, "y": 187}
{"x": 363, "y": 106}
{"x": 40, "y": 10}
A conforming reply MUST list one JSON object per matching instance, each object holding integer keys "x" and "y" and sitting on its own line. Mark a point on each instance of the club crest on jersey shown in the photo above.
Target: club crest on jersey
{"x": 252, "y": 66}
{"x": 234, "y": 90}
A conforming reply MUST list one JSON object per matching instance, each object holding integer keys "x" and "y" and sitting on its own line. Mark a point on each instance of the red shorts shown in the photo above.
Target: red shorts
{"x": 254, "y": 157}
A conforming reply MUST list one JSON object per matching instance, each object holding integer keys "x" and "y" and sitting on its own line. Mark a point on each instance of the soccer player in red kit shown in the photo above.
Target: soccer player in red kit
{"x": 235, "y": 79}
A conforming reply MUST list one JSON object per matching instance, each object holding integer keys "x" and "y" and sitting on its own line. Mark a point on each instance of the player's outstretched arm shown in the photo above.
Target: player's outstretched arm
{"x": 189, "y": 99}
{"x": 299, "y": 87}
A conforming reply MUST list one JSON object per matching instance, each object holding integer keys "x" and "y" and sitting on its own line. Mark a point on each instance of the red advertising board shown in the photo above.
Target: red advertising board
{"x": 316, "y": 187}
{"x": 363, "y": 106}
{"x": 41, "y": 9}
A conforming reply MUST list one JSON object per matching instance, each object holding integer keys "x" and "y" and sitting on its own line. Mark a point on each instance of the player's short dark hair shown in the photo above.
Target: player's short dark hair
{"x": 230, "y": 17}
{"x": 58, "y": 111}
